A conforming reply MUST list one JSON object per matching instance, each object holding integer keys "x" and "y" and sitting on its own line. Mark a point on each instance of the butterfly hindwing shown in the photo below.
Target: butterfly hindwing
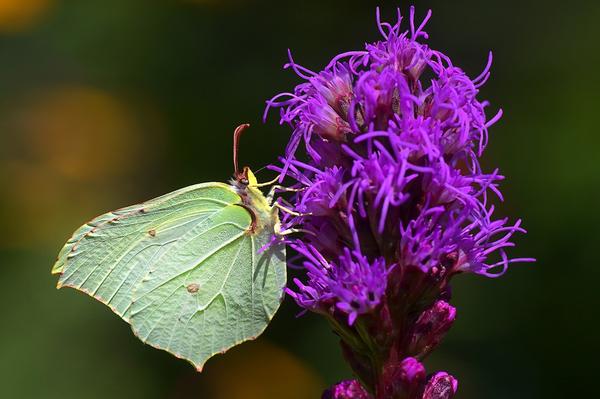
{"x": 203, "y": 304}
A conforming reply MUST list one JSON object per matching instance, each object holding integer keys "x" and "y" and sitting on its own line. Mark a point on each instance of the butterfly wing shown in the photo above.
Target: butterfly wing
{"x": 182, "y": 269}
{"x": 200, "y": 306}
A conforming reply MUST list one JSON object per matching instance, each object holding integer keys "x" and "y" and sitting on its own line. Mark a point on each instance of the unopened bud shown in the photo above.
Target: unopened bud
{"x": 430, "y": 328}
{"x": 440, "y": 386}
{"x": 349, "y": 389}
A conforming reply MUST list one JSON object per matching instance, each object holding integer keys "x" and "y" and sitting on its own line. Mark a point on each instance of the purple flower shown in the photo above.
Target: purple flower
{"x": 352, "y": 284}
{"x": 391, "y": 197}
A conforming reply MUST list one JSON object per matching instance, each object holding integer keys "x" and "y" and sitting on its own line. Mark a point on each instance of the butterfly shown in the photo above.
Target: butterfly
{"x": 193, "y": 271}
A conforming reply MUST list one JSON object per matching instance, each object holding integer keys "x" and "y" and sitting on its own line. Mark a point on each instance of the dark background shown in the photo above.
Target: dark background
{"x": 108, "y": 102}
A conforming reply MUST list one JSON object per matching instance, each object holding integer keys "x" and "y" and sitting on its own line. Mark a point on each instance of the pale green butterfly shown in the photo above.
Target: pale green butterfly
{"x": 185, "y": 269}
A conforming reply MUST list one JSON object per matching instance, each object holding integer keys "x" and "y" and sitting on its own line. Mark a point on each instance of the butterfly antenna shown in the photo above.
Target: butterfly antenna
{"x": 236, "y": 141}
{"x": 259, "y": 170}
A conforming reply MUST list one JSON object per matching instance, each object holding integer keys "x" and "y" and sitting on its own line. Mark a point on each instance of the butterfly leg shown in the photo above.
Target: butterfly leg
{"x": 289, "y": 211}
{"x": 287, "y": 232}
{"x": 268, "y": 183}
{"x": 279, "y": 232}
{"x": 277, "y": 187}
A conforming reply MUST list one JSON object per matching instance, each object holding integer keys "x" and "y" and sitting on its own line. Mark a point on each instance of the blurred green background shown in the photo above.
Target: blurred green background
{"x": 108, "y": 102}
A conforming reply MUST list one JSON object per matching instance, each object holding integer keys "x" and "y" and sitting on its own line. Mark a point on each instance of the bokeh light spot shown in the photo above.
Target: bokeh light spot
{"x": 81, "y": 132}
{"x": 61, "y": 150}
{"x": 254, "y": 370}
{"x": 20, "y": 15}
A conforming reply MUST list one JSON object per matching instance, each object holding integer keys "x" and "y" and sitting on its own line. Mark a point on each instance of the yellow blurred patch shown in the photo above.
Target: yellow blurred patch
{"x": 67, "y": 154}
{"x": 215, "y": 2}
{"x": 31, "y": 192}
{"x": 81, "y": 132}
{"x": 254, "y": 370}
{"x": 20, "y": 15}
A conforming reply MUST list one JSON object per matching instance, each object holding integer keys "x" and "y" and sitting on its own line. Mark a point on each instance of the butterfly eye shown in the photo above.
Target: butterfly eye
{"x": 244, "y": 181}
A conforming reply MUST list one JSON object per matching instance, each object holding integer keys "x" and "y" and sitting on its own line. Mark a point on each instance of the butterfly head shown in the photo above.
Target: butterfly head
{"x": 245, "y": 178}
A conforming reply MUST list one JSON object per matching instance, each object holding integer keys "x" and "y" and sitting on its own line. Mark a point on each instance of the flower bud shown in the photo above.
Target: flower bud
{"x": 412, "y": 374}
{"x": 403, "y": 380}
{"x": 348, "y": 389}
{"x": 430, "y": 328}
{"x": 440, "y": 386}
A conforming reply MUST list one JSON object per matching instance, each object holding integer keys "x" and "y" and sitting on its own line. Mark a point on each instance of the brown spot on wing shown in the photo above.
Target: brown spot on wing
{"x": 152, "y": 232}
{"x": 192, "y": 288}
